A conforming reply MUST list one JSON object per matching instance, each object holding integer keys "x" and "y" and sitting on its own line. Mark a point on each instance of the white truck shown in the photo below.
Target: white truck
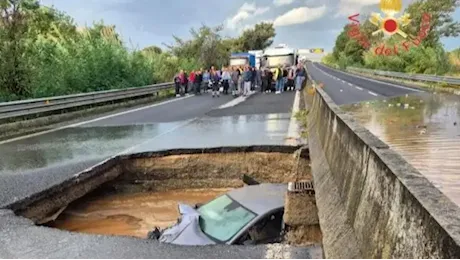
{"x": 280, "y": 55}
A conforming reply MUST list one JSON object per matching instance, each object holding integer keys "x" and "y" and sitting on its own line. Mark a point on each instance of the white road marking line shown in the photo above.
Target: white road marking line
{"x": 293, "y": 130}
{"x": 93, "y": 120}
{"x": 359, "y": 88}
{"x": 377, "y": 81}
{"x": 351, "y": 85}
{"x": 236, "y": 101}
{"x": 372, "y": 93}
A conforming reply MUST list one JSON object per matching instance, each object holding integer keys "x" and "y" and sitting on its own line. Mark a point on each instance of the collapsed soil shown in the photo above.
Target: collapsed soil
{"x": 210, "y": 170}
{"x": 127, "y": 214}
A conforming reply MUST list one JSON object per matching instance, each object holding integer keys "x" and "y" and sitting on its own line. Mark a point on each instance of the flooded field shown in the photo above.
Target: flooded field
{"x": 129, "y": 214}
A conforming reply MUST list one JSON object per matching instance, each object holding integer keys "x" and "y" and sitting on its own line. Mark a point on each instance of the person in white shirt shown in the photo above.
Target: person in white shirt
{"x": 226, "y": 78}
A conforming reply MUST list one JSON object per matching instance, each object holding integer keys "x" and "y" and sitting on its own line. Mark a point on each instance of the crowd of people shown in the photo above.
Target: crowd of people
{"x": 240, "y": 80}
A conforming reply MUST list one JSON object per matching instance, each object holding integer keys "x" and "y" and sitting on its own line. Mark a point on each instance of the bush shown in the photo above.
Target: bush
{"x": 423, "y": 60}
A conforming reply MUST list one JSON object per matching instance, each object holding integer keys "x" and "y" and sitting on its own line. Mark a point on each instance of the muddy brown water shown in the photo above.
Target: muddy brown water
{"x": 126, "y": 214}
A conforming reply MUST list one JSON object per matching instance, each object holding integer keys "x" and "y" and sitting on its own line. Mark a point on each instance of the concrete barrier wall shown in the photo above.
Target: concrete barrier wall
{"x": 371, "y": 202}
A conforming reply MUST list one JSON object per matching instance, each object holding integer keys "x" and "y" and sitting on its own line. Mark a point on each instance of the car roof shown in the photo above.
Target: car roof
{"x": 260, "y": 198}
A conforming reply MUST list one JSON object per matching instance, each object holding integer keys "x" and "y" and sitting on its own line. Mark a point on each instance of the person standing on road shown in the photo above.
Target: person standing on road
{"x": 269, "y": 80}
{"x": 183, "y": 80}
{"x": 214, "y": 83}
{"x": 258, "y": 79}
{"x": 219, "y": 74}
{"x": 253, "y": 78}
{"x": 206, "y": 78}
{"x": 185, "y": 83}
{"x": 285, "y": 78}
{"x": 198, "y": 82}
{"x": 300, "y": 76}
{"x": 240, "y": 81}
{"x": 234, "y": 83}
{"x": 191, "y": 80}
{"x": 177, "y": 83}
{"x": 263, "y": 78}
{"x": 247, "y": 79}
{"x": 226, "y": 77}
{"x": 278, "y": 77}
{"x": 291, "y": 76}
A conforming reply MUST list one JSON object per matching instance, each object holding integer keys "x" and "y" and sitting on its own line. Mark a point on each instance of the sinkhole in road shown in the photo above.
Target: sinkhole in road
{"x": 132, "y": 194}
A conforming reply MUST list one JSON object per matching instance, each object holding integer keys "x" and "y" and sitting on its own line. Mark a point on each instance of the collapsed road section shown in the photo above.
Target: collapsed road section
{"x": 209, "y": 180}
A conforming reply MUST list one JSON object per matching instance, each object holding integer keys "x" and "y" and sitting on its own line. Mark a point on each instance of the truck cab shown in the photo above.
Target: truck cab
{"x": 281, "y": 55}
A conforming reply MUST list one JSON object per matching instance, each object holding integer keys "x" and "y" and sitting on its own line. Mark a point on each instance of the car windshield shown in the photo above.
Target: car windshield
{"x": 223, "y": 217}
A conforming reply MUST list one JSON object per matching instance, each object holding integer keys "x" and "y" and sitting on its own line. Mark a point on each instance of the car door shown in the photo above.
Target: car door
{"x": 267, "y": 229}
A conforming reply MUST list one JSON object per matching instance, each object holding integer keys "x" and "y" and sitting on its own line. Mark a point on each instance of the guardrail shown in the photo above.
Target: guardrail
{"x": 29, "y": 107}
{"x": 417, "y": 77}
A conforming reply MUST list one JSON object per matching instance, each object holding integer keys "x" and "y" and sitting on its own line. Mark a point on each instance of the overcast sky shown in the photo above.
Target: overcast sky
{"x": 299, "y": 23}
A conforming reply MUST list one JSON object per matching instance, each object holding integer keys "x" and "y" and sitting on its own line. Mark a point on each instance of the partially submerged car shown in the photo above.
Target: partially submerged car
{"x": 248, "y": 215}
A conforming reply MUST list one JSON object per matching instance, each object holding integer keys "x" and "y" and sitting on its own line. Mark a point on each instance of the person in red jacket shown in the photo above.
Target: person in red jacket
{"x": 183, "y": 80}
{"x": 186, "y": 83}
{"x": 191, "y": 79}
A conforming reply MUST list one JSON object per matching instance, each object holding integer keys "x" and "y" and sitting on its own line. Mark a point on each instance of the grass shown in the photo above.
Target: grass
{"x": 302, "y": 117}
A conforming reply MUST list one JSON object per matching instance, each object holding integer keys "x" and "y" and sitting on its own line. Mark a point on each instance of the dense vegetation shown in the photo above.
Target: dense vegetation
{"x": 44, "y": 53}
{"x": 429, "y": 57}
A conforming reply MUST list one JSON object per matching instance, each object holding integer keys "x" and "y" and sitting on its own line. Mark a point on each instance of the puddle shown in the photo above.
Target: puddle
{"x": 424, "y": 129}
{"x": 128, "y": 214}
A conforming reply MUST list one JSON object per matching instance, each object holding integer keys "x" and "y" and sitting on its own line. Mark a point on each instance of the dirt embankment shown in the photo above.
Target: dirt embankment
{"x": 196, "y": 171}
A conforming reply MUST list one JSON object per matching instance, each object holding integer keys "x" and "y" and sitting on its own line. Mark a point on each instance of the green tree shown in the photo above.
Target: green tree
{"x": 340, "y": 42}
{"x": 430, "y": 57}
{"x": 14, "y": 66}
{"x": 206, "y": 47}
{"x": 258, "y": 38}
{"x": 454, "y": 59}
{"x": 442, "y": 21}
{"x": 153, "y": 49}
{"x": 44, "y": 53}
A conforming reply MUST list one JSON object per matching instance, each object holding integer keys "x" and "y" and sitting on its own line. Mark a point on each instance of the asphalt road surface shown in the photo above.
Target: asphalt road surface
{"x": 346, "y": 88}
{"x": 34, "y": 163}
{"x": 31, "y": 164}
